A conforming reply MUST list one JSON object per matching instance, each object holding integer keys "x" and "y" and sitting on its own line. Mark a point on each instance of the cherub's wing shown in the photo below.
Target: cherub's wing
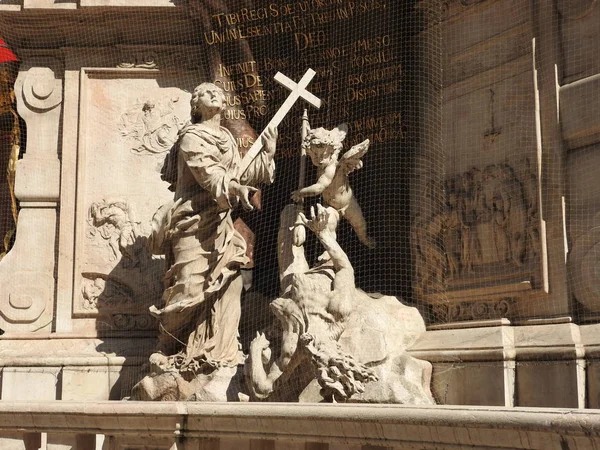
{"x": 351, "y": 160}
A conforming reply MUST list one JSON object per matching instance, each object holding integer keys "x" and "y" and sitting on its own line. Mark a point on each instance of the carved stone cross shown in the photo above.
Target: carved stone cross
{"x": 297, "y": 91}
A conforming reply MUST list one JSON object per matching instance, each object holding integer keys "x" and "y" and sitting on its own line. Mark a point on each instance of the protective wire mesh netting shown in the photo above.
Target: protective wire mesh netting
{"x": 477, "y": 192}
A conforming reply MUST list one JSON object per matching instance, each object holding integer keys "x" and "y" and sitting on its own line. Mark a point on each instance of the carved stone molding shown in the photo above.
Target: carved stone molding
{"x": 139, "y": 60}
{"x": 41, "y": 90}
{"x": 128, "y": 322}
{"x": 160, "y": 57}
{"x": 475, "y": 310}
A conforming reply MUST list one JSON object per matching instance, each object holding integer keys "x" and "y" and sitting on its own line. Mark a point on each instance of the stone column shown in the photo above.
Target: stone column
{"x": 427, "y": 163}
{"x": 548, "y": 66}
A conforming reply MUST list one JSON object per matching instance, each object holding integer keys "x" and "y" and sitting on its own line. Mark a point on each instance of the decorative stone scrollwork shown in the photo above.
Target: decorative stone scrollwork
{"x": 25, "y": 301}
{"x": 41, "y": 90}
{"x": 476, "y": 310}
{"x": 164, "y": 58}
{"x": 133, "y": 322}
{"x": 480, "y": 309}
{"x": 445, "y": 10}
{"x": 139, "y": 60}
{"x": 27, "y": 277}
{"x": 503, "y": 307}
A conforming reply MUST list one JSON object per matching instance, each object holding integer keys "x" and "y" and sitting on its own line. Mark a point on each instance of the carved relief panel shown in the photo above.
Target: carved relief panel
{"x": 481, "y": 254}
{"x": 129, "y": 121}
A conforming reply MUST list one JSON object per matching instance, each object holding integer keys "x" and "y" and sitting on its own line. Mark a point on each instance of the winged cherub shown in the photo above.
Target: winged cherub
{"x": 324, "y": 147}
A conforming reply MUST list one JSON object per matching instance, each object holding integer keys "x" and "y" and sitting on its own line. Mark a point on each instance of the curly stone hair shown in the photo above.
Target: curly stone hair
{"x": 320, "y": 137}
{"x": 198, "y": 91}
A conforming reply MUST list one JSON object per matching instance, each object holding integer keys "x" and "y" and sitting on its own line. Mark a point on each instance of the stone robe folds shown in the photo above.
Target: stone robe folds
{"x": 203, "y": 251}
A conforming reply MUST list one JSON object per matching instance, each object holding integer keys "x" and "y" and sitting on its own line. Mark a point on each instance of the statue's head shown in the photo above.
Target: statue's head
{"x": 207, "y": 100}
{"x": 322, "y": 144}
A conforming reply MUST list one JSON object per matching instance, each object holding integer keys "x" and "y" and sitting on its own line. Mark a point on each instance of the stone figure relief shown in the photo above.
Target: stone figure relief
{"x": 200, "y": 310}
{"x": 104, "y": 294}
{"x": 432, "y": 260}
{"x": 100, "y": 291}
{"x": 151, "y": 126}
{"x": 114, "y": 222}
{"x": 324, "y": 147}
{"x": 335, "y": 342}
{"x": 490, "y": 220}
{"x": 131, "y": 280}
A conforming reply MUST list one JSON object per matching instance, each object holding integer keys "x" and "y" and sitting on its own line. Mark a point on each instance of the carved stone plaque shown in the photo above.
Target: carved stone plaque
{"x": 130, "y": 121}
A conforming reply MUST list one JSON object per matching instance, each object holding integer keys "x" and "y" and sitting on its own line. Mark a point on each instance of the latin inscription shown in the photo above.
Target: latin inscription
{"x": 358, "y": 65}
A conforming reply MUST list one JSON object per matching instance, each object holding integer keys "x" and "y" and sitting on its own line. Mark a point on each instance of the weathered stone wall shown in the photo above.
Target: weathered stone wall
{"x": 521, "y": 93}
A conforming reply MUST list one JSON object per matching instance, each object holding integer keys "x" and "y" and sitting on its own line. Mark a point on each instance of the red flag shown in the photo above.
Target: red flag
{"x": 6, "y": 55}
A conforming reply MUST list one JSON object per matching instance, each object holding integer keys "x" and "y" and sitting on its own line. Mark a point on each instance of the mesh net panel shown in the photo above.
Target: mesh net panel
{"x": 478, "y": 188}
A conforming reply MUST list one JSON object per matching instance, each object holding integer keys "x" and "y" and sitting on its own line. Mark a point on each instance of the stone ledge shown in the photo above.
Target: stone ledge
{"x": 82, "y": 361}
{"x": 388, "y": 425}
{"x": 579, "y": 113}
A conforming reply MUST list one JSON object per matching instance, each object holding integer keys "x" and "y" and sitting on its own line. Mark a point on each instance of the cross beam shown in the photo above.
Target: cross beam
{"x": 297, "y": 91}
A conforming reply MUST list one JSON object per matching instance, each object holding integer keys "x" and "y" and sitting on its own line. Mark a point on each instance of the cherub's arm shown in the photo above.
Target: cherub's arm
{"x": 315, "y": 189}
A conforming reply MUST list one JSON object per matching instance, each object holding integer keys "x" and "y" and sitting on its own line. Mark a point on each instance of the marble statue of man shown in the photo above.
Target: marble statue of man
{"x": 201, "y": 303}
